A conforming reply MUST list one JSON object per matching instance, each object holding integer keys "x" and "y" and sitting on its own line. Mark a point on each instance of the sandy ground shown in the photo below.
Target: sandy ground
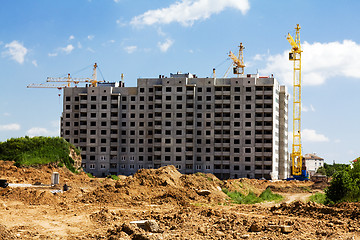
{"x": 104, "y": 208}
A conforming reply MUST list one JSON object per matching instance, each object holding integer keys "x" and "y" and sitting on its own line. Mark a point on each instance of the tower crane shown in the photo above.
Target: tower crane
{"x": 295, "y": 56}
{"x": 70, "y": 80}
{"x": 238, "y": 62}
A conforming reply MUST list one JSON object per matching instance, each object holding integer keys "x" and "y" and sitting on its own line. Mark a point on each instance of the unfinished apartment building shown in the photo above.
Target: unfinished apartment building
{"x": 231, "y": 127}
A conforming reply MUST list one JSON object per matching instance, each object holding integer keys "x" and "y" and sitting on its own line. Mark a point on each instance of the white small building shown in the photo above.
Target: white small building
{"x": 313, "y": 163}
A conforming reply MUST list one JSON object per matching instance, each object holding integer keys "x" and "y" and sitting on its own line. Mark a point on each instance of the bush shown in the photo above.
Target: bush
{"x": 26, "y": 151}
{"x": 344, "y": 185}
{"x": 330, "y": 169}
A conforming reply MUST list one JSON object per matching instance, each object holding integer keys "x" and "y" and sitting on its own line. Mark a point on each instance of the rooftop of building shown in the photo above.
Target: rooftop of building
{"x": 312, "y": 156}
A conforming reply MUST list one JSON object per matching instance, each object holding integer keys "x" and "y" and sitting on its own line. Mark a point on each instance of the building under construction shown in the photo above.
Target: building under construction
{"x": 231, "y": 127}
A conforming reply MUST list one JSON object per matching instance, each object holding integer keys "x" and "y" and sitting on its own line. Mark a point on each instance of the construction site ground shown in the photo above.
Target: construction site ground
{"x": 99, "y": 208}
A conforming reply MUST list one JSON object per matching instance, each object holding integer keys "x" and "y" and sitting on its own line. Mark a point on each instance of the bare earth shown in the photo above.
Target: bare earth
{"x": 103, "y": 208}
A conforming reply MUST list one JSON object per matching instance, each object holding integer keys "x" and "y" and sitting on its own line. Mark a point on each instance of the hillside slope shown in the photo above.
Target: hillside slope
{"x": 26, "y": 151}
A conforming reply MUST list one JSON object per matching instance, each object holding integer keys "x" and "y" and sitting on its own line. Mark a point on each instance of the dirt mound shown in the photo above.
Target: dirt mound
{"x": 104, "y": 216}
{"x": 5, "y": 233}
{"x": 29, "y": 196}
{"x": 320, "y": 185}
{"x": 41, "y": 174}
{"x": 319, "y": 211}
{"x": 157, "y": 186}
{"x": 245, "y": 185}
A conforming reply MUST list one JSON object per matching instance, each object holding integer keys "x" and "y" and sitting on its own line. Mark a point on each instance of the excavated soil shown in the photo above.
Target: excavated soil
{"x": 181, "y": 207}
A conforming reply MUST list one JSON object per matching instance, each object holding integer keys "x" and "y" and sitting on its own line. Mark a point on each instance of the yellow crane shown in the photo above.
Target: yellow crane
{"x": 238, "y": 62}
{"x": 295, "y": 56}
{"x": 70, "y": 80}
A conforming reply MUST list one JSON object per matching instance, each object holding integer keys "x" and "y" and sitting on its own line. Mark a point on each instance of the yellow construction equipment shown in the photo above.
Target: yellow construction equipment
{"x": 238, "y": 62}
{"x": 295, "y": 56}
{"x": 76, "y": 81}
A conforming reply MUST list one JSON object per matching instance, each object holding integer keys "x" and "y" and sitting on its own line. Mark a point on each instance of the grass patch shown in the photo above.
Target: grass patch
{"x": 251, "y": 198}
{"x": 318, "y": 198}
{"x": 26, "y": 151}
{"x": 90, "y": 175}
{"x": 114, "y": 177}
{"x": 269, "y": 196}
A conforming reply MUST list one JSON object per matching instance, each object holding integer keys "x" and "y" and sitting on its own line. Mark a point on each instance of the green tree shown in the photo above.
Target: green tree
{"x": 339, "y": 187}
{"x": 321, "y": 170}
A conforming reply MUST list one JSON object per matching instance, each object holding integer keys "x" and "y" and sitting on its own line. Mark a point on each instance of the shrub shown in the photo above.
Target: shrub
{"x": 344, "y": 185}
{"x": 26, "y": 151}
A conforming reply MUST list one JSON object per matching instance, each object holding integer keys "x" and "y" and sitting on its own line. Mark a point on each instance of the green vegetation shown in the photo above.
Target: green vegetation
{"x": 251, "y": 198}
{"x": 90, "y": 175}
{"x": 318, "y": 198}
{"x": 114, "y": 177}
{"x": 26, "y": 151}
{"x": 330, "y": 169}
{"x": 344, "y": 185}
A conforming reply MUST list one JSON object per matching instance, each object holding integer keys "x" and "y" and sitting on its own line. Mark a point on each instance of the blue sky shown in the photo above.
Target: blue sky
{"x": 141, "y": 38}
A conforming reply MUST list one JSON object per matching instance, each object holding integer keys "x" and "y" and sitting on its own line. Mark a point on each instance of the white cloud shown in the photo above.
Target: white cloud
{"x": 16, "y": 51}
{"x": 71, "y": 37}
{"x": 120, "y": 22}
{"x": 38, "y": 131}
{"x": 164, "y": 46}
{"x": 259, "y": 57}
{"x": 90, "y": 37}
{"x": 10, "y": 127}
{"x": 186, "y": 12}
{"x": 68, "y": 49}
{"x": 308, "y": 109}
{"x": 6, "y": 114}
{"x": 320, "y": 62}
{"x": 52, "y": 54}
{"x": 130, "y": 49}
{"x": 79, "y": 45}
{"x": 310, "y": 135}
{"x": 34, "y": 62}
{"x": 160, "y": 32}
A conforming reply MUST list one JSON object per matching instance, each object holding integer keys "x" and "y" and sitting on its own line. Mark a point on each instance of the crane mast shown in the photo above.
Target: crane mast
{"x": 295, "y": 56}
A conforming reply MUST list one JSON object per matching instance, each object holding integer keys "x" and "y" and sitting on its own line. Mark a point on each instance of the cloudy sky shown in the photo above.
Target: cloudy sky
{"x": 141, "y": 38}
